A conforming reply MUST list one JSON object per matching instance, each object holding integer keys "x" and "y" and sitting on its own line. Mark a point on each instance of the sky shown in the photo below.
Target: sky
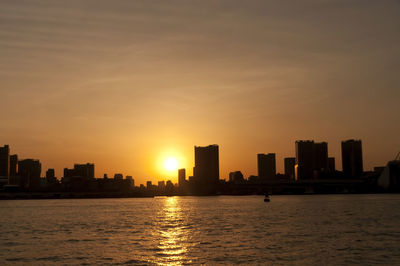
{"x": 126, "y": 84}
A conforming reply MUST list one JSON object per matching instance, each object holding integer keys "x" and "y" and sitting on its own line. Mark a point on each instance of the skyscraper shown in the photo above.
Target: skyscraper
{"x": 352, "y": 160}
{"x": 5, "y": 161}
{"x": 14, "y": 179}
{"x": 321, "y": 156}
{"x": 304, "y": 159}
{"x": 206, "y": 169}
{"x": 266, "y": 164}
{"x": 30, "y": 170}
{"x": 311, "y": 159}
{"x": 182, "y": 177}
{"x": 289, "y": 166}
{"x": 13, "y": 165}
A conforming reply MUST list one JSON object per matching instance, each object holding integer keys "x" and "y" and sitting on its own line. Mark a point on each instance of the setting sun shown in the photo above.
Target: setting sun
{"x": 171, "y": 164}
{"x": 168, "y": 160}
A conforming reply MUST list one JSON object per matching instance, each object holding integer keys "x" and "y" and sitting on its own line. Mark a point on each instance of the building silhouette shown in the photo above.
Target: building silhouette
{"x": 30, "y": 171}
{"x": 5, "y": 162}
{"x": 169, "y": 188}
{"x": 130, "y": 180}
{"x": 14, "y": 165}
{"x": 331, "y": 164}
{"x": 84, "y": 170}
{"x": 80, "y": 170}
{"x": 311, "y": 159}
{"x": 14, "y": 179}
{"x": 352, "y": 160}
{"x": 389, "y": 177}
{"x": 182, "y": 177}
{"x": 311, "y": 162}
{"x": 266, "y": 165}
{"x": 236, "y": 177}
{"x": 50, "y": 173}
{"x": 161, "y": 185}
{"x": 206, "y": 169}
{"x": 321, "y": 156}
{"x": 118, "y": 176}
{"x": 51, "y": 176}
{"x": 304, "y": 159}
{"x": 290, "y": 163}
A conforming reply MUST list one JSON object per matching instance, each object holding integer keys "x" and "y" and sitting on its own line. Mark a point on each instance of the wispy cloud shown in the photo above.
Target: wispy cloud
{"x": 216, "y": 65}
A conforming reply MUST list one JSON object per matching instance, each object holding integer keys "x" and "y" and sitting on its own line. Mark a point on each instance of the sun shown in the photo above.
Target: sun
{"x": 171, "y": 164}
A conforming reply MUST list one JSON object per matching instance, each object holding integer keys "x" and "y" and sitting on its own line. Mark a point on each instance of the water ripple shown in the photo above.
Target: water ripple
{"x": 337, "y": 229}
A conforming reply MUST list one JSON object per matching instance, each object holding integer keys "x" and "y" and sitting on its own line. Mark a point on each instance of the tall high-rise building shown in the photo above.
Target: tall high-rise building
{"x": 321, "y": 156}
{"x": 311, "y": 159}
{"x": 5, "y": 161}
{"x": 304, "y": 159}
{"x": 352, "y": 160}
{"x": 13, "y": 165}
{"x": 266, "y": 164}
{"x": 206, "y": 169}
{"x": 30, "y": 170}
{"x": 182, "y": 177}
{"x": 289, "y": 166}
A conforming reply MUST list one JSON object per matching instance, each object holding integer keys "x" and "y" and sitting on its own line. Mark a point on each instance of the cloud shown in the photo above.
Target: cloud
{"x": 217, "y": 66}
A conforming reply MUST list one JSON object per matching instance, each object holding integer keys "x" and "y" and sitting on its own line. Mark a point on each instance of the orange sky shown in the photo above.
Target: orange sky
{"x": 124, "y": 84}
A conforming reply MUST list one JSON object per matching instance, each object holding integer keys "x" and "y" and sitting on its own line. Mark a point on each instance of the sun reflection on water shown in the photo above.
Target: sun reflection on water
{"x": 172, "y": 234}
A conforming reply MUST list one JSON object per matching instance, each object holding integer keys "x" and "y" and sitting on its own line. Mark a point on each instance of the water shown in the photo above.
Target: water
{"x": 323, "y": 229}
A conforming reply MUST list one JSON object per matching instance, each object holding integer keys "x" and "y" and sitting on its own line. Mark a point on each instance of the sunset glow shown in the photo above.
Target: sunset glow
{"x": 176, "y": 132}
{"x": 164, "y": 163}
{"x": 126, "y": 84}
{"x": 171, "y": 164}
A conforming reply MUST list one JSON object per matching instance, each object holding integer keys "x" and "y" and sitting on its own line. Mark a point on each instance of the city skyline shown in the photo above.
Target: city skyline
{"x": 201, "y": 132}
{"x": 316, "y": 160}
{"x": 126, "y": 84}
